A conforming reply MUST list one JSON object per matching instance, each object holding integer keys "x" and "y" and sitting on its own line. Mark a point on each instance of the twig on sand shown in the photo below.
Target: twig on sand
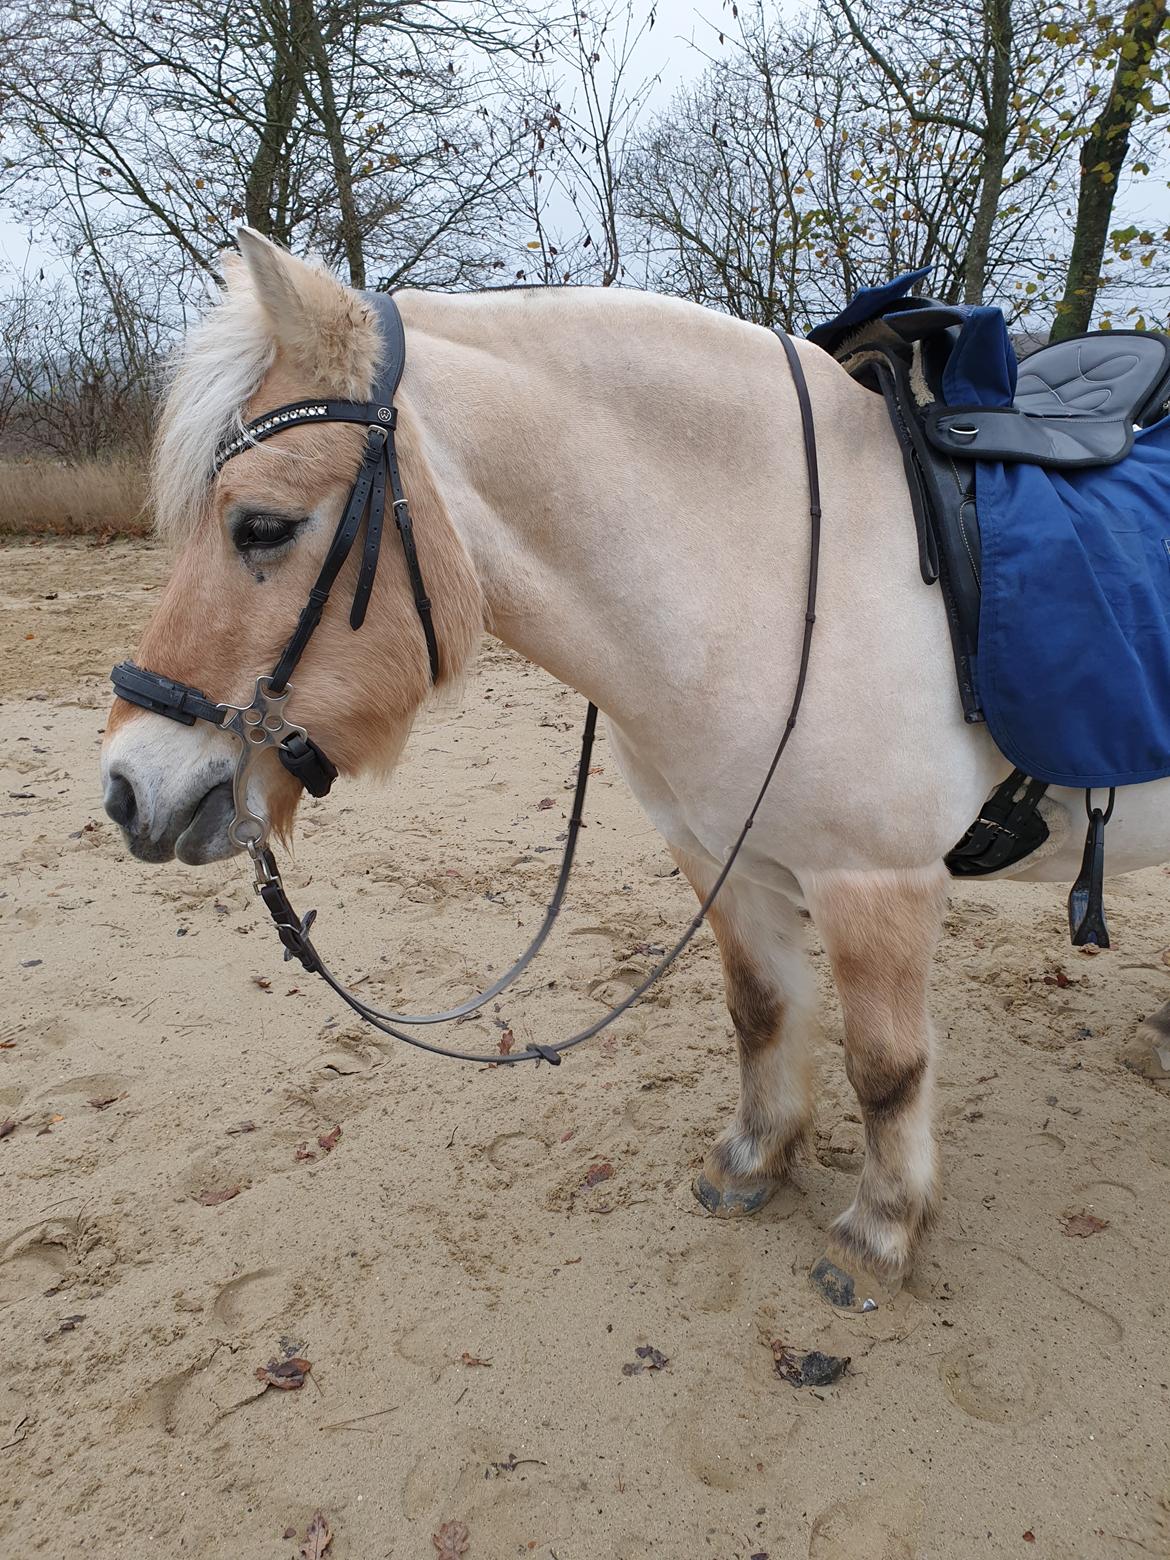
{"x": 344, "y": 1424}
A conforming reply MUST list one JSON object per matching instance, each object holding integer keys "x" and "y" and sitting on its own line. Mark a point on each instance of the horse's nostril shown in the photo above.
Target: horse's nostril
{"x": 120, "y": 802}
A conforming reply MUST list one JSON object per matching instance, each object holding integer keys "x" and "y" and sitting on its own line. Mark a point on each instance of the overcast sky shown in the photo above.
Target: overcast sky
{"x": 671, "y": 53}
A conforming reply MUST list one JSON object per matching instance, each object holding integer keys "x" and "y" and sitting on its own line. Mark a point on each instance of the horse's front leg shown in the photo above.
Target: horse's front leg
{"x": 880, "y": 930}
{"x": 768, "y": 995}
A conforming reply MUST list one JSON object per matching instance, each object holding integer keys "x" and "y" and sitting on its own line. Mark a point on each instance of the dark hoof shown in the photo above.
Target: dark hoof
{"x": 732, "y": 1202}
{"x": 834, "y": 1284}
{"x": 858, "y": 1290}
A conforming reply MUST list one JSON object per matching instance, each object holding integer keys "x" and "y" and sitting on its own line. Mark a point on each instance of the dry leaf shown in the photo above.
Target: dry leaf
{"x": 471, "y": 1359}
{"x": 507, "y": 1041}
{"x": 813, "y": 1369}
{"x": 598, "y": 1173}
{"x": 288, "y": 1375}
{"x": 649, "y": 1358}
{"x": 211, "y": 1199}
{"x": 317, "y": 1538}
{"x": 108, "y": 1099}
{"x": 545, "y": 803}
{"x": 451, "y": 1541}
{"x": 329, "y": 1140}
{"x": 304, "y": 1152}
{"x": 263, "y": 982}
{"x": 1029, "y": 1537}
{"x": 1083, "y": 1224}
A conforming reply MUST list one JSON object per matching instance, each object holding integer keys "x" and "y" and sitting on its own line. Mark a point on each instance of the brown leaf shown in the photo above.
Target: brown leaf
{"x": 211, "y": 1199}
{"x": 507, "y": 1041}
{"x": 7, "y": 1128}
{"x": 317, "y": 1538}
{"x": 304, "y": 1152}
{"x": 598, "y": 1173}
{"x": 545, "y": 803}
{"x": 105, "y": 1100}
{"x": 329, "y": 1140}
{"x": 451, "y": 1541}
{"x": 263, "y": 982}
{"x": 1083, "y": 1224}
{"x": 289, "y": 1532}
{"x": 288, "y": 1375}
{"x": 471, "y": 1359}
{"x": 1029, "y": 1537}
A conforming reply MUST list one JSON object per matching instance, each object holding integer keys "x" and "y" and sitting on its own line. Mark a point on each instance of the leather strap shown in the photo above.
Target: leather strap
{"x": 339, "y": 550}
{"x": 162, "y": 696}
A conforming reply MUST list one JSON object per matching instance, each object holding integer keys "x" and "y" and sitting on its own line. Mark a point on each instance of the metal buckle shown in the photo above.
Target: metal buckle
{"x": 258, "y": 726}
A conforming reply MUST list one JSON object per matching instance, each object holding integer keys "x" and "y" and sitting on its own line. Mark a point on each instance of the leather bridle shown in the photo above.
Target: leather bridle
{"x": 262, "y": 723}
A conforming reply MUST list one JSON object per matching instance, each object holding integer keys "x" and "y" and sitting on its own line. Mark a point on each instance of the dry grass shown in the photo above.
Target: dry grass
{"x": 45, "y": 498}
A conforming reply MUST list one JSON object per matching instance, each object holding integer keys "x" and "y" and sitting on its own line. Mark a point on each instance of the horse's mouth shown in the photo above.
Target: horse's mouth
{"x": 205, "y": 837}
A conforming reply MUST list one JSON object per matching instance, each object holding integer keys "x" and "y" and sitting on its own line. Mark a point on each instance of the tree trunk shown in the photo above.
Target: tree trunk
{"x": 349, "y": 225}
{"x": 994, "y": 155}
{"x": 1103, "y": 156}
{"x": 265, "y": 189}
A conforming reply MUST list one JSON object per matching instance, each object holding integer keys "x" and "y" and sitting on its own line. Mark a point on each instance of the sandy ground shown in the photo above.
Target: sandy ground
{"x": 466, "y": 1301}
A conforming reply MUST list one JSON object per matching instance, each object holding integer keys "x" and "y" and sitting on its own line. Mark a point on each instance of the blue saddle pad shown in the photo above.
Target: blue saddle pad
{"x": 1073, "y": 669}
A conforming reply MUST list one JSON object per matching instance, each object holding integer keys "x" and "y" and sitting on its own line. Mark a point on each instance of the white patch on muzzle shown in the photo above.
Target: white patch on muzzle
{"x": 170, "y": 767}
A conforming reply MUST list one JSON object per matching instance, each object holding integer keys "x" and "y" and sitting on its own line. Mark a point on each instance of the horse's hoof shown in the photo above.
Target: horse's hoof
{"x": 851, "y": 1286}
{"x": 731, "y": 1202}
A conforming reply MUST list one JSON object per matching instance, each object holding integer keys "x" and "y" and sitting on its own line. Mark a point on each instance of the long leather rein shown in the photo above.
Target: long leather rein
{"x": 262, "y": 724}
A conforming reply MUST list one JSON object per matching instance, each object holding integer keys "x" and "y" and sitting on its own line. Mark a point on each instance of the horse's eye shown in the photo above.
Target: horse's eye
{"x": 256, "y": 532}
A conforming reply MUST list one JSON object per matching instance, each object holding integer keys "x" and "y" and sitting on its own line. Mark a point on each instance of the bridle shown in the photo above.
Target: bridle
{"x": 262, "y": 724}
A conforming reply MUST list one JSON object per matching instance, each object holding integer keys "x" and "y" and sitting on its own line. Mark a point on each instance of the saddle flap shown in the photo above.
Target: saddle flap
{"x": 1006, "y": 433}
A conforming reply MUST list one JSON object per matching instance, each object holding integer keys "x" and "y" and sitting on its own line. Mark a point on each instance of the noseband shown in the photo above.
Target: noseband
{"x": 262, "y": 723}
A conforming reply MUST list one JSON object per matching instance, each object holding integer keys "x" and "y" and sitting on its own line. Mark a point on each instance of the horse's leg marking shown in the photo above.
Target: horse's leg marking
{"x": 768, "y": 997}
{"x": 880, "y": 930}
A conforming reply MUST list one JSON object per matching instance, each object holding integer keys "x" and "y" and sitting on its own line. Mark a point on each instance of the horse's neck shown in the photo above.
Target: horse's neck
{"x": 627, "y": 474}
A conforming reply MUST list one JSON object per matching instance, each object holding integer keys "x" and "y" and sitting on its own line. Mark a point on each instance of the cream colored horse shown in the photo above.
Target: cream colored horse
{"x": 613, "y": 483}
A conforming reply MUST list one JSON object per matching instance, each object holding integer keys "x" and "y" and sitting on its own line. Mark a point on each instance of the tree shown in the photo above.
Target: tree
{"x": 1135, "y": 46}
{"x": 369, "y": 132}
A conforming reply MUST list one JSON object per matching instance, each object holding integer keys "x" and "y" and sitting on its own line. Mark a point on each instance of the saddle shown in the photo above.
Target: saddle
{"x": 973, "y": 425}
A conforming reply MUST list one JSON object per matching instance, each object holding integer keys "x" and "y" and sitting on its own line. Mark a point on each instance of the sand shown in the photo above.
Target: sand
{"x": 467, "y": 1302}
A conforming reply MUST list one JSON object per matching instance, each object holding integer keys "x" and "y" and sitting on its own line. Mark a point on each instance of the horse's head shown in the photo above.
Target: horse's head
{"x": 251, "y": 538}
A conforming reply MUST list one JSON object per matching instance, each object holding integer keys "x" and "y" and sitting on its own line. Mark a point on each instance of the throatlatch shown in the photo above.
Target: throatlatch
{"x": 262, "y": 724}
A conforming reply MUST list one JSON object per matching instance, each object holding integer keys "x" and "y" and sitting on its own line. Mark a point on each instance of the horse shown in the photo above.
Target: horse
{"x": 612, "y": 483}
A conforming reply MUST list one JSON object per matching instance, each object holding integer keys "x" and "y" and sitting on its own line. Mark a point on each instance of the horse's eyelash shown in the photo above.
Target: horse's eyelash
{"x": 249, "y": 530}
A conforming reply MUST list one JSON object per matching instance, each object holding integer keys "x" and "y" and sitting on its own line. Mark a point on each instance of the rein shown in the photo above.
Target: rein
{"x": 262, "y": 723}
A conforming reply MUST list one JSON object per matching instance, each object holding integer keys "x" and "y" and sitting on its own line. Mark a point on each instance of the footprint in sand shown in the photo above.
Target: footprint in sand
{"x": 711, "y": 1279}
{"x": 252, "y": 1301}
{"x": 512, "y": 1152}
{"x": 873, "y": 1527}
{"x": 91, "y": 1086}
{"x": 51, "y": 1031}
{"x": 993, "y": 1382}
{"x": 33, "y": 1261}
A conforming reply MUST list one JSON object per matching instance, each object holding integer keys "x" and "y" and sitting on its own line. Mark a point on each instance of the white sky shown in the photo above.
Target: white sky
{"x": 666, "y": 53}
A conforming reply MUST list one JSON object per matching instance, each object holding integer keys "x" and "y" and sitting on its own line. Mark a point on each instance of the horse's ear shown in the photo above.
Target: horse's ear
{"x": 324, "y": 327}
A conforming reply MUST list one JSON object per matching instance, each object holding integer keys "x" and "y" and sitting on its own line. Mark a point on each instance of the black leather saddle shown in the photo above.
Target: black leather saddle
{"x": 1077, "y": 403}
